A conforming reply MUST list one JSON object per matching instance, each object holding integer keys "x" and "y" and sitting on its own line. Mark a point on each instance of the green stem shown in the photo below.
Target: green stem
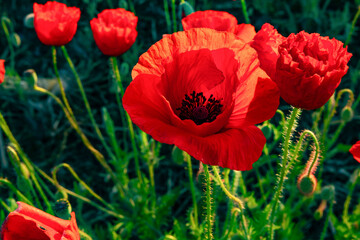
{"x": 82, "y": 198}
{"x": 167, "y": 16}
{"x": 131, "y": 6}
{"x": 208, "y": 233}
{"x": 187, "y": 158}
{"x": 152, "y": 184}
{"x": 174, "y": 15}
{"x": 233, "y": 198}
{"x": 86, "y": 102}
{"x": 84, "y": 139}
{"x": 15, "y": 190}
{"x": 74, "y": 174}
{"x": 291, "y": 125}
{"x": 27, "y": 162}
{"x": 131, "y": 127}
{"x": 352, "y": 27}
{"x": 7, "y": 35}
{"x": 62, "y": 90}
{"x": 348, "y": 198}
{"x": 327, "y": 219}
{"x": 244, "y": 10}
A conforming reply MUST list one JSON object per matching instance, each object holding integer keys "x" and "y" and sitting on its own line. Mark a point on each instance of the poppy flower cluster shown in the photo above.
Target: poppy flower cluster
{"x": 28, "y": 222}
{"x": 114, "y": 30}
{"x": 204, "y": 89}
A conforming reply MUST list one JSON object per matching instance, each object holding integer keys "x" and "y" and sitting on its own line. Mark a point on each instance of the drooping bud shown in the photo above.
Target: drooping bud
{"x": 186, "y": 9}
{"x": 320, "y": 210}
{"x": 31, "y": 78}
{"x": 328, "y": 193}
{"x": 29, "y": 20}
{"x": 63, "y": 209}
{"x": 347, "y": 114}
{"x": 15, "y": 39}
{"x": 307, "y": 184}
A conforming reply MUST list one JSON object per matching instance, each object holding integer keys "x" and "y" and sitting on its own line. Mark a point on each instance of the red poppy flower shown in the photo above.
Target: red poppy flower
{"x": 203, "y": 91}
{"x": 355, "y": 151}
{"x": 220, "y": 21}
{"x": 310, "y": 68}
{"x": 2, "y": 70}
{"x": 266, "y": 42}
{"x": 28, "y": 222}
{"x": 55, "y": 23}
{"x": 114, "y": 31}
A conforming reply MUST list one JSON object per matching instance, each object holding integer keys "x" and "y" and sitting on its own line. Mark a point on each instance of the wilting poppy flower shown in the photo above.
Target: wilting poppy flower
{"x": 114, "y": 31}
{"x": 309, "y": 69}
{"x": 203, "y": 90}
{"x": 55, "y": 23}
{"x": 2, "y": 70}
{"x": 220, "y": 21}
{"x": 355, "y": 151}
{"x": 28, "y": 222}
{"x": 266, "y": 42}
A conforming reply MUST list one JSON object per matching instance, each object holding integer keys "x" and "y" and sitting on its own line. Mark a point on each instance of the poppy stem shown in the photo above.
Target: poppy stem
{"x": 233, "y": 198}
{"x": 5, "y": 20}
{"x": 290, "y": 126}
{"x": 244, "y": 10}
{"x": 174, "y": 15}
{"x": 209, "y": 217}
{"x": 84, "y": 139}
{"x": 354, "y": 180}
{"x": 327, "y": 219}
{"x": 86, "y": 102}
{"x": 187, "y": 158}
{"x": 115, "y": 69}
{"x": 27, "y": 162}
{"x": 352, "y": 26}
{"x": 298, "y": 148}
{"x": 167, "y": 16}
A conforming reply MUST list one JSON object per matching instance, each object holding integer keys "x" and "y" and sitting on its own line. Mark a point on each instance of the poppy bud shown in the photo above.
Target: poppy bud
{"x": 267, "y": 131}
{"x": 177, "y": 155}
{"x": 123, "y": 4}
{"x": 24, "y": 171}
{"x": 328, "y": 193}
{"x": 186, "y": 9}
{"x": 307, "y": 184}
{"x": 320, "y": 210}
{"x": 29, "y": 20}
{"x": 15, "y": 39}
{"x": 347, "y": 114}
{"x": 31, "y": 77}
{"x": 63, "y": 209}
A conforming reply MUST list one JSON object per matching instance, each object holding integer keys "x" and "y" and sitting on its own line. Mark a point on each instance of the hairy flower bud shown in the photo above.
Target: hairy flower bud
{"x": 347, "y": 114}
{"x": 307, "y": 184}
{"x": 328, "y": 193}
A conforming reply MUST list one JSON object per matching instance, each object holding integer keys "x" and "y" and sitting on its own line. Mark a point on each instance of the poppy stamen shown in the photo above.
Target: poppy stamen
{"x": 199, "y": 109}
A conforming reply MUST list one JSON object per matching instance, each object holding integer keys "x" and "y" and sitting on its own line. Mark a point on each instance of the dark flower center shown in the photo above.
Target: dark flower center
{"x": 199, "y": 109}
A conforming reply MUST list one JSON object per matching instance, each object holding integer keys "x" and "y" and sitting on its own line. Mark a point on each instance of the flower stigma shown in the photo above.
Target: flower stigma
{"x": 199, "y": 109}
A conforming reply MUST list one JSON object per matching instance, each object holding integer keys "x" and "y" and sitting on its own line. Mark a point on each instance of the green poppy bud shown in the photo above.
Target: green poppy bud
{"x": 267, "y": 130}
{"x": 328, "y": 193}
{"x": 31, "y": 78}
{"x": 186, "y": 8}
{"x": 15, "y": 39}
{"x": 63, "y": 209}
{"x": 307, "y": 184}
{"x": 29, "y": 20}
{"x": 347, "y": 114}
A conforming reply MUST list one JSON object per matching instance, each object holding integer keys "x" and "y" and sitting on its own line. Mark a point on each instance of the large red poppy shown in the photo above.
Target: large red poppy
{"x": 220, "y": 21}
{"x": 203, "y": 91}
{"x": 2, "y": 70}
{"x": 310, "y": 68}
{"x": 55, "y": 23}
{"x": 114, "y": 31}
{"x": 28, "y": 222}
{"x": 355, "y": 151}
